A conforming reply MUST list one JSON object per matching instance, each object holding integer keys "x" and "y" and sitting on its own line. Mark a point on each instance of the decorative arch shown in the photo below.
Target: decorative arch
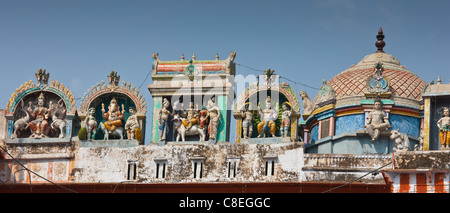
{"x": 253, "y": 89}
{"x": 59, "y": 100}
{"x": 125, "y": 92}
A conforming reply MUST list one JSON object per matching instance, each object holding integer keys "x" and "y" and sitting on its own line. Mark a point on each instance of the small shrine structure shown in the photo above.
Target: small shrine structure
{"x": 113, "y": 111}
{"x": 40, "y": 112}
{"x": 182, "y": 89}
{"x": 267, "y": 111}
{"x": 436, "y": 127}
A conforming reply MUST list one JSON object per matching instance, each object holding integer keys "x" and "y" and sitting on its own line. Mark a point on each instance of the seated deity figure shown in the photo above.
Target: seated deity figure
{"x": 247, "y": 123}
{"x": 131, "y": 124}
{"x": 114, "y": 116}
{"x": 164, "y": 114}
{"x": 191, "y": 116}
{"x": 40, "y": 124}
{"x": 91, "y": 124}
{"x": 444, "y": 128}
{"x": 268, "y": 117}
{"x": 377, "y": 120}
{"x": 285, "y": 120}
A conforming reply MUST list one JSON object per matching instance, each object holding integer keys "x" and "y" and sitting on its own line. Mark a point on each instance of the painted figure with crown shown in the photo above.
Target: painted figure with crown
{"x": 40, "y": 114}
{"x": 113, "y": 118}
{"x": 268, "y": 117}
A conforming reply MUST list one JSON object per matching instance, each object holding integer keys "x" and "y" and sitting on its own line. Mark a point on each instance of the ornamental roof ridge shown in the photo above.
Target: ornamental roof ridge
{"x": 177, "y": 67}
{"x": 101, "y": 87}
{"x": 43, "y": 85}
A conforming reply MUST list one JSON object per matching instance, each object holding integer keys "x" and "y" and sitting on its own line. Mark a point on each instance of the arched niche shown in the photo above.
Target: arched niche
{"x": 125, "y": 93}
{"x": 255, "y": 94}
{"x": 58, "y": 108}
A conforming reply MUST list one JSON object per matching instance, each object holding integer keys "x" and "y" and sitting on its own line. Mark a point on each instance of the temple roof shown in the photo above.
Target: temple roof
{"x": 204, "y": 66}
{"x": 353, "y": 81}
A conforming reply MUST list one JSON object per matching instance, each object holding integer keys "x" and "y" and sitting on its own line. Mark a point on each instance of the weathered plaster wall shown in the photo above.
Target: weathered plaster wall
{"x": 422, "y": 160}
{"x": 51, "y": 161}
{"x": 110, "y": 164}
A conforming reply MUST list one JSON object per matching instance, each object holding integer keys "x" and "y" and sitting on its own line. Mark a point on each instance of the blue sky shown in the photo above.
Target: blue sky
{"x": 80, "y": 42}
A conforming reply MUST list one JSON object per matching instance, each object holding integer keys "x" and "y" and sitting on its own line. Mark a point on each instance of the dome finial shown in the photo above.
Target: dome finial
{"x": 380, "y": 43}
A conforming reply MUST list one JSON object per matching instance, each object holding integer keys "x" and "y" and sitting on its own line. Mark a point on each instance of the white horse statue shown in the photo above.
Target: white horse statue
{"x": 182, "y": 132}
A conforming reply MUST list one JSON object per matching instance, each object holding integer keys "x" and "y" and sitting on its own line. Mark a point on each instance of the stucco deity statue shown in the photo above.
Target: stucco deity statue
{"x": 191, "y": 116}
{"x": 268, "y": 117}
{"x": 131, "y": 124}
{"x": 286, "y": 119}
{"x": 211, "y": 103}
{"x": 377, "y": 120}
{"x": 91, "y": 124}
{"x": 247, "y": 121}
{"x": 58, "y": 112}
{"x": 164, "y": 114}
{"x": 40, "y": 114}
{"x": 444, "y": 128}
{"x": 114, "y": 116}
{"x": 214, "y": 119}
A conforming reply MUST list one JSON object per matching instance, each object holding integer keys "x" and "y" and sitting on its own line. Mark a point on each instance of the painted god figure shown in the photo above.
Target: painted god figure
{"x": 191, "y": 116}
{"x": 247, "y": 123}
{"x": 268, "y": 117}
{"x": 114, "y": 116}
{"x": 286, "y": 119}
{"x": 377, "y": 120}
{"x": 214, "y": 115}
{"x": 204, "y": 115}
{"x": 444, "y": 128}
{"x": 41, "y": 114}
{"x": 131, "y": 124}
{"x": 58, "y": 112}
{"x": 164, "y": 114}
{"x": 91, "y": 124}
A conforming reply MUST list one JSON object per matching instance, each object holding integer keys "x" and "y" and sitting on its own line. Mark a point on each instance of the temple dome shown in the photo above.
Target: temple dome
{"x": 352, "y": 82}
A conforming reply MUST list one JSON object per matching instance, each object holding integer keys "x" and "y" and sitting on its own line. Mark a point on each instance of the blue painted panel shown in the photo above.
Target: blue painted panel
{"x": 349, "y": 123}
{"x": 314, "y": 134}
{"x": 406, "y": 124}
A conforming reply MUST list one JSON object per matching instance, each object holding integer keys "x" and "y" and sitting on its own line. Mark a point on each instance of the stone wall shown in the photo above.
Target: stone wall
{"x": 345, "y": 167}
{"x": 216, "y": 162}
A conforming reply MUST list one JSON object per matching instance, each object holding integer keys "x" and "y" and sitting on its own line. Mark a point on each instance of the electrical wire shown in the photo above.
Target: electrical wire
{"x": 144, "y": 79}
{"x": 35, "y": 172}
{"x": 329, "y": 190}
{"x": 153, "y": 61}
{"x": 295, "y": 82}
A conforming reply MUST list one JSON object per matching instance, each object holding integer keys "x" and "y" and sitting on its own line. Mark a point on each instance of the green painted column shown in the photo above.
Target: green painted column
{"x": 224, "y": 127}
{"x": 157, "y": 102}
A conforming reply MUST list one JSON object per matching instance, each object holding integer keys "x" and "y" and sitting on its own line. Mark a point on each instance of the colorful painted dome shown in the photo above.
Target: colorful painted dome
{"x": 352, "y": 82}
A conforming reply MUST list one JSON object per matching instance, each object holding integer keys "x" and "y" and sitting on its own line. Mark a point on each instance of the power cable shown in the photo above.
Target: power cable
{"x": 258, "y": 70}
{"x": 35, "y": 172}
